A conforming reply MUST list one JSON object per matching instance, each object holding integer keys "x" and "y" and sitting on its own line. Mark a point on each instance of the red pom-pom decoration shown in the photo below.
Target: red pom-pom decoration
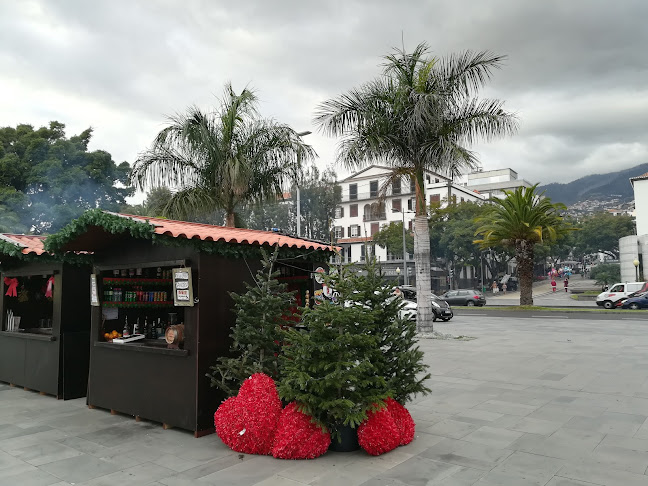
{"x": 378, "y": 434}
{"x": 247, "y": 423}
{"x": 403, "y": 420}
{"x": 298, "y": 437}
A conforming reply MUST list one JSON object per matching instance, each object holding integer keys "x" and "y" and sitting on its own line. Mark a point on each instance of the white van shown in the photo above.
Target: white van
{"x": 618, "y": 291}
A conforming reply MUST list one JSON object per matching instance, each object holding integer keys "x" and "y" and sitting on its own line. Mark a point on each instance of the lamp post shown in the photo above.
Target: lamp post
{"x": 398, "y": 270}
{"x": 635, "y": 262}
{"x": 300, "y": 134}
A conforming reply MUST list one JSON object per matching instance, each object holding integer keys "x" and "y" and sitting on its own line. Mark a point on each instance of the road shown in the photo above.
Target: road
{"x": 544, "y": 296}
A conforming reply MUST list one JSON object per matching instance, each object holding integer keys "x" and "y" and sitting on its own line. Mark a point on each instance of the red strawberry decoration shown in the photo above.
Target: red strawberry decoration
{"x": 403, "y": 420}
{"x": 247, "y": 423}
{"x": 378, "y": 434}
{"x": 298, "y": 437}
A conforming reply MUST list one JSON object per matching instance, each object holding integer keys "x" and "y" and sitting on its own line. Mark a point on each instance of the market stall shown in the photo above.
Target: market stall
{"x": 45, "y": 331}
{"x": 161, "y": 309}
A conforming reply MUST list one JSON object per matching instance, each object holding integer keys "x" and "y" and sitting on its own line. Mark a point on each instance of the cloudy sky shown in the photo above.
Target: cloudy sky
{"x": 576, "y": 73}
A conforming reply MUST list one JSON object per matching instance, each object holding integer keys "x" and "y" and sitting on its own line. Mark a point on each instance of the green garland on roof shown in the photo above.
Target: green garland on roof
{"x": 11, "y": 256}
{"x": 96, "y": 217}
{"x": 118, "y": 224}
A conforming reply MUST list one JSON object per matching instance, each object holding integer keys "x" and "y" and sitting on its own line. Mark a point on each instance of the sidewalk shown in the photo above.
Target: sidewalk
{"x": 544, "y": 295}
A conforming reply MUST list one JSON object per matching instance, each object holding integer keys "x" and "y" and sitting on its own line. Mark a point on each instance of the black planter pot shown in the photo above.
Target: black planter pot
{"x": 348, "y": 439}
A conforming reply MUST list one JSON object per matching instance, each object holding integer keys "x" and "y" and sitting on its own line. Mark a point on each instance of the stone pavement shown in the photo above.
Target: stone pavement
{"x": 529, "y": 402}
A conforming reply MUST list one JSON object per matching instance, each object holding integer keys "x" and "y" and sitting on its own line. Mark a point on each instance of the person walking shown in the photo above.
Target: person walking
{"x": 553, "y": 284}
{"x": 495, "y": 287}
{"x": 566, "y": 283}
{"x": 504, "y": 288}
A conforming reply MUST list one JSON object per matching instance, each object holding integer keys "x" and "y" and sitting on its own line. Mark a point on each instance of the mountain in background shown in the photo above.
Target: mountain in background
{"x": 596, "y": 186}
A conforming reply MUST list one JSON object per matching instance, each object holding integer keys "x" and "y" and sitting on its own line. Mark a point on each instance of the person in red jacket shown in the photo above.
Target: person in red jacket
{"x": 553, "y": 284}
{"x": 566, "y": 283}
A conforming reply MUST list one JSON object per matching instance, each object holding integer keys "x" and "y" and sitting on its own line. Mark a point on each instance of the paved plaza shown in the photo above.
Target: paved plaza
{"x": 530, "y": 401}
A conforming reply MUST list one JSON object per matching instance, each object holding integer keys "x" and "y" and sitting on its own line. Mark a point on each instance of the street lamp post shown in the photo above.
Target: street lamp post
{"x": 398, "y": 271}
{"x": 300, "y": 134}
{"x": 635, "y": 262}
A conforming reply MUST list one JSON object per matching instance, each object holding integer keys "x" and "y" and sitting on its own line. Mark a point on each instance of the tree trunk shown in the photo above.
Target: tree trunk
{"x": 423, "y": 280}
{"x": 230, "y": 220}
{"x": 524, "y": 256}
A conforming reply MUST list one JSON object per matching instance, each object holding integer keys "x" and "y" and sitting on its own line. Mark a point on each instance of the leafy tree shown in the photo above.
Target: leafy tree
{"x": 600, "y": 232}
{"x": 391, "y": 237}
{"x": 521, "y": 220}
{"x": 320, "y": 195}
{"x": 420, "y": 115}
{"x": 46, "y": 179}
{"x": 606, "y": 273}
{"x": 153, "y": 205}
{"x": 256, "y": 337}
{"x": 221, "y": 160}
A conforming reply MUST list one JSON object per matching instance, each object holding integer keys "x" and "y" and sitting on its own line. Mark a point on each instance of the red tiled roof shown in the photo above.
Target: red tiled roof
{"x": 359, "y": 239}
{"x": 28, "y": 243}
{"x": 208, "y": 232}
{"x": 639, "y": 178}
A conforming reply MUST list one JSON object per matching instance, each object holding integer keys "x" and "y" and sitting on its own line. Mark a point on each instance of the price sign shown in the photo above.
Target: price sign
{"x": 94, "y": 293}
{"x": 182, "y": 287}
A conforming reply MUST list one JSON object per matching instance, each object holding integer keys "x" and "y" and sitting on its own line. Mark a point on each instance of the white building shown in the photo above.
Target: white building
{"x": 635, "y": 247}
{"x": 361, "y": 215}
{"x": 493, "y": 183}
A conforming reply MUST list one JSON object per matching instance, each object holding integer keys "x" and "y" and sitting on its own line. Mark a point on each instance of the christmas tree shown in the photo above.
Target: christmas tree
{"x": 256, "y": 336}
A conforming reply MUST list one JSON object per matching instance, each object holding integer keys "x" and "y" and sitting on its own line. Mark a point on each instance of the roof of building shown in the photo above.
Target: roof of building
{"x": 386, "y": 169}
{"x": 638, "y": 178}
{"x": 29, "y": 244}
{"x": 86, "y": 233}
{"x": 358, "y": 239}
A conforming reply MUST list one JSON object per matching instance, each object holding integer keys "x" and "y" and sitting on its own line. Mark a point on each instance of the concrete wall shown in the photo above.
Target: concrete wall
{"x": 628, "y": 251}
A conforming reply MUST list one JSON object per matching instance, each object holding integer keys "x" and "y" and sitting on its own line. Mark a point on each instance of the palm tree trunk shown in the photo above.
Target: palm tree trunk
{"x": 423, "y": 279}
{"x": 524, "y": 256}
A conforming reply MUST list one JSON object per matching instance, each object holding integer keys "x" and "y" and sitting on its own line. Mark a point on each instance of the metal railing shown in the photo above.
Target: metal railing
{"x": 374, "y": 217}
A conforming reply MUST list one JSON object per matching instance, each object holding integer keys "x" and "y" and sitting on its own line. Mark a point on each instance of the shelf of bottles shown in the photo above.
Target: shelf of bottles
{"x": 136, "y": 288}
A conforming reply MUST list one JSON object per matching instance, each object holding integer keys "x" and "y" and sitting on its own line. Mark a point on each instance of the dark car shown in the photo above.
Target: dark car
{"x": 638, "y": 302}
{"x": 441, "y": 309}
{"x": 464, "y": 297}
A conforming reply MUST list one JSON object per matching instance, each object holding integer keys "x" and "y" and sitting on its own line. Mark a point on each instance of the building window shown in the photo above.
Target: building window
{"x": 436, "y": 180}
{"x": 362, "y": 253}
{"x": 353, "y": 210}
{"x": 412, "y": 185}
{"x": 354, "y": 231}
{"x": 396, "y": 205}
{"x": 353, "y": 191}
{"x": 348, "y": 253}
{"x": 429, "y": 179}
{"x": 373, "y": 189}
{"x": 454, "y": 199}
{"x": 409, "y": 225}
{"x": 435, "y": 198}
{"x": 375, "y": 227}
{"x": 410, "y": 204}
{"x": 396, "y": 186}
{"x": 339, "y": 232}
{"x": 339, "y": 212}
{"x": 462, "y": 199}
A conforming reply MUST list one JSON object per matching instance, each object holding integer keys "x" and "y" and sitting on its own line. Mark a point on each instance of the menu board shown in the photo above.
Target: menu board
{"x": 94, "y": 294}
{"x": 182, "y": 287}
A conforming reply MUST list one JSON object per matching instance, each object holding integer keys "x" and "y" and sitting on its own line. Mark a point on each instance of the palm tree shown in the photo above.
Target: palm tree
{"x": 222, "y": 159}
{"x": 521, "y": 220}
{"x": 418, "y": 116}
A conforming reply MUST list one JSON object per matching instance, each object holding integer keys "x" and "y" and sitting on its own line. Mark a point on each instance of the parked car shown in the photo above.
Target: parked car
{"x": 618, "y": 291}
{"x": 440, "y": 308}
{"x": 638, "y": 302}
{"x": 638, "y": 293}
{"x": 464, "y": 297}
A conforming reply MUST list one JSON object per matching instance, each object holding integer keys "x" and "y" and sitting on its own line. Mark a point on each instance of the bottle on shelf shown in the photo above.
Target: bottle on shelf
{"x": 126, "y": 331}
{"x": 159, "y": 329}
{"x": 136, "y": 327}
{"x": 147, "y": 330}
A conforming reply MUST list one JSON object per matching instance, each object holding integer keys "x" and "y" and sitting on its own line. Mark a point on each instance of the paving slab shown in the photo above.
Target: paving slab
{"x": 551, "y": 402}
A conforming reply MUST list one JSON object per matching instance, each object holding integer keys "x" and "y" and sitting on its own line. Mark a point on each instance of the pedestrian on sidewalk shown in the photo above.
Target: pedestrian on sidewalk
{"x": 566, "y": 283}
{"x": 495, "y": 287}
{"x": 504, "y": 288}
{"x": 553, "y": 284}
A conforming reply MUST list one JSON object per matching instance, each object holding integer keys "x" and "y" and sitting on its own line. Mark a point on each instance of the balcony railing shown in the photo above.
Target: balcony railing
{"x": 361, "y": 196}
{"x": 374, "y": 217}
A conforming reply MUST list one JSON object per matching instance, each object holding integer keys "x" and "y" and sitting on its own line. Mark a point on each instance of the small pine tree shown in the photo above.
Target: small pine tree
{"x": 256, "y": 336}
{"x": 401, "y": 361}
{"x": 357, "y": 352}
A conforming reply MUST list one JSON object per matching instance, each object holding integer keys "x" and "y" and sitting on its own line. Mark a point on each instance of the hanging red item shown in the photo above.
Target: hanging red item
{"x": 50, "y": 287}
{"x": 12, "y": 285}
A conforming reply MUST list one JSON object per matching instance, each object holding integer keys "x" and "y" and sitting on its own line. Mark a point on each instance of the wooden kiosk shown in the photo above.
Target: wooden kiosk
{"x": 161, "y": 272}
{"x": 45, "y": 331}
